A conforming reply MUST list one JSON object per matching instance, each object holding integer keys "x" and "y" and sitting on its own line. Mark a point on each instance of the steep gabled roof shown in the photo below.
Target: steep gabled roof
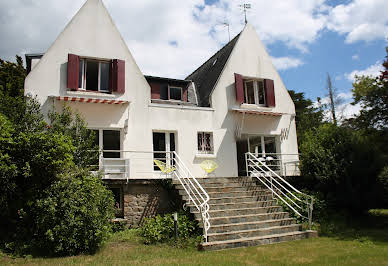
{"x": 206, "y": 76}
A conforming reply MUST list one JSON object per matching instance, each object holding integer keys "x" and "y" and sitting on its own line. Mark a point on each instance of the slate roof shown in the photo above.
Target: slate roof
{"x": 206, "y": 76}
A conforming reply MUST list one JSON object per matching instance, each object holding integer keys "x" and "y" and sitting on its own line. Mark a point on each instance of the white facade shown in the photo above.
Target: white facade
{"x": 92, "y": 33}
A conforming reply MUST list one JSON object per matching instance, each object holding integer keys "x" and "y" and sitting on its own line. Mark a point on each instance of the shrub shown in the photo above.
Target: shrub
{"x": 319, "y": 206}
{"x": 74, "y": 215}
{"x": 383, "y": 180}
{"x": 161, "y": 228}
{"x": 343, "y": 166}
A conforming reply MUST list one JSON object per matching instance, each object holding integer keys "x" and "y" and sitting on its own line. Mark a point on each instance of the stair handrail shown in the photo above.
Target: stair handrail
{"x": 277, "y": 185}
{"x": 194, "y": 190}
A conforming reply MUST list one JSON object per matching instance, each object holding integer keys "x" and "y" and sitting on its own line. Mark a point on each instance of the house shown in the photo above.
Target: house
{"x": 234, "y": 103}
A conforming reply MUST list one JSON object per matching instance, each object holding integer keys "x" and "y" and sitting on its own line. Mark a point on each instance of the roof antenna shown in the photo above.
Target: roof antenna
{"x": 226, "y": 24}
{"x": 245, "y": 7}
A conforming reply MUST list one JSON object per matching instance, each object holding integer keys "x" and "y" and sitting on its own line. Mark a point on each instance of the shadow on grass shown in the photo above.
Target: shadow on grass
{"x": 371, "y": 227}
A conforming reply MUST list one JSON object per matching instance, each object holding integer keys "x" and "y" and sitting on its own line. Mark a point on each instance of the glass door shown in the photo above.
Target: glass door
{"x": 163, "y": 144}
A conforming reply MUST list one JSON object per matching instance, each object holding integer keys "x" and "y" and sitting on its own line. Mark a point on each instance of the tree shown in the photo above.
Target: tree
{"x": 331, "y": 99}
{"x": 343, "y": 165}
{"x": 35, "y": 158}
{"x": 307, "y": 116}
{"x": 372, "y": 95}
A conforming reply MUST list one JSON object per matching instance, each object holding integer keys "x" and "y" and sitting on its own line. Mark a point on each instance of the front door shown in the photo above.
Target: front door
{"x": 242, "y": 148}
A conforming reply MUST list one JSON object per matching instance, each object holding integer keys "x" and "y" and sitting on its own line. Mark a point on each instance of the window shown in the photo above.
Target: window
{"x": 163, "y": 145}
{"x": 118, "y": 201}
{"x": 254, "y": 92}
{"x": 108, "y": 140}
{"x": 205, "y": 142}
{"x": 176, "y": 93}
{"x": 94, "y": 75}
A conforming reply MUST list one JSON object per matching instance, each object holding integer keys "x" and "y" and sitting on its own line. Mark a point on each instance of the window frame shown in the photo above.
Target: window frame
{"x": 84, "y": 61}
{"x": 169, "y": 93}
{"x": 255, "y": 91}
{"x": 200, "y": 150}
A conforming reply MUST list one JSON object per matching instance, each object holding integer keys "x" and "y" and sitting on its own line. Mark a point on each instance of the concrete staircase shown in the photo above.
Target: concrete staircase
{"x": 242, "y": 213}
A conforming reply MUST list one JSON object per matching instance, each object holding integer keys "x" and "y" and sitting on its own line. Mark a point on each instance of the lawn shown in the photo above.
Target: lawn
{"x": 364, "y": 242}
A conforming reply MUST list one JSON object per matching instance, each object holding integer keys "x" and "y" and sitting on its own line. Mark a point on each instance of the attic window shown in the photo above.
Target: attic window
{"x": 94, "y": 75}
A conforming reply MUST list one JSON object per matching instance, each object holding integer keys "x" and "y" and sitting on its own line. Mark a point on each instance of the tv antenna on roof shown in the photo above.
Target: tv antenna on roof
{"x": 245, "y": 8}
{"x": 226, "y": 24}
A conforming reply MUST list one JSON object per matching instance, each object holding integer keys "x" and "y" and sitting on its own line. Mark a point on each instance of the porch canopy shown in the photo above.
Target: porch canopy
{"x": 87, "y": 100}
{"x": 257, "y": 112}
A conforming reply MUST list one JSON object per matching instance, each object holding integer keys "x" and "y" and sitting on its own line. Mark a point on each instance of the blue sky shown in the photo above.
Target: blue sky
{"x": 306, "y": 38}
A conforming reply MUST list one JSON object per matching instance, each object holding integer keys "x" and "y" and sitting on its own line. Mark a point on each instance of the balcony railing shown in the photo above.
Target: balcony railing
{"x": 284, "y": 164}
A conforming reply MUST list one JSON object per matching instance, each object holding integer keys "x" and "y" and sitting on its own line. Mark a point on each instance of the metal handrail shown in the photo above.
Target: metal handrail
{"x": 194, "y": 190}
{"x": 279, "y": 187}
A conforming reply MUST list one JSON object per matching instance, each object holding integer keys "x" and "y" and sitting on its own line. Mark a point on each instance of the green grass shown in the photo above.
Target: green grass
{"x": 361, "y": 241}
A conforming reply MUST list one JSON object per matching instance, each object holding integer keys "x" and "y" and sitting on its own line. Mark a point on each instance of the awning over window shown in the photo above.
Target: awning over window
{"x": 88, "y": 100}
{"x": 254, "y": 112}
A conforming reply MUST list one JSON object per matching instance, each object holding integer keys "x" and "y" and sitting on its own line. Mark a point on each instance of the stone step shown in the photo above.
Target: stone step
{"x": 224, "y": 188}
{"x": 254, "y": 232}
{"x": 242, "y": 211}
{"x": 225, "y": 179}
{"x": 248, "y": 218}
{"x": 223, "y": 228}
{"x": 260, "y": 240}
{"x": 233, "y": 205}
{"x": 237, "y": 194}
{"x": 237, "y": 199}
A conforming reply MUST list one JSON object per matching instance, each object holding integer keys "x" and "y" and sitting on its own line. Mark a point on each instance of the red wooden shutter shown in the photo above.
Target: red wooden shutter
{"x": 239, "y": 85}
{"x": 72, "y": 71}
{"x": 269, "y": 92}
{"x": 117, "y": 79}
{"x": 185, "y": 92}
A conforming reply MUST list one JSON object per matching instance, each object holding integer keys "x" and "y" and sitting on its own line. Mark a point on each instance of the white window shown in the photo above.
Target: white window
{"x": 176, "y": 93}
{"x": 254, "y": 92}
{"x": 94, "y": 75}
{"x": 205, "y": 143}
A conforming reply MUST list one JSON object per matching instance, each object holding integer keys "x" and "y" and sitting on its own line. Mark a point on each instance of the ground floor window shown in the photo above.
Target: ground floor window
{"x": 205, "y": 143}
{"x": 108, "y": 141}
{"x": 118, "y": 196}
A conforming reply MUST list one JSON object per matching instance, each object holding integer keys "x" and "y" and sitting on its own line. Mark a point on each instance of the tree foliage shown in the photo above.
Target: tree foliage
{"x": 42, "y": 202}
{"x": 307, "y": 116}
{"x": 343, "y": 165}
{"x": 372, "y": 94}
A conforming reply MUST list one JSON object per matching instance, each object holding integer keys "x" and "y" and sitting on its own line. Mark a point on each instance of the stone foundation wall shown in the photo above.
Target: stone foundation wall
{"x": 145, "y": 198}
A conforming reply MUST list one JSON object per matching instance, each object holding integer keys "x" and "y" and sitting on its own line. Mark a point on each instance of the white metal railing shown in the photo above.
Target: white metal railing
{"x": 284, "y": 164}
{"x": 138, "y": 164}
{"x": 279, "y": 187}
{"x": 194, "y": 190}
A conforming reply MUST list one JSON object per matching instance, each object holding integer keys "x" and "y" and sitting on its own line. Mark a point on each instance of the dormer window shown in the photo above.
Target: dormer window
{"x": 254, "y": 92}
{"x": 175, "y": 93}
{"x": 94, "y": 75}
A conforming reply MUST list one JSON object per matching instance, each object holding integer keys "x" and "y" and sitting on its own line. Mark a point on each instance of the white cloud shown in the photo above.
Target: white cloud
{"x": 364, "y": 20}
{"x": 356, "y": 57}
{"x": 283, "y": 63}
{"x": 373, "y": 70}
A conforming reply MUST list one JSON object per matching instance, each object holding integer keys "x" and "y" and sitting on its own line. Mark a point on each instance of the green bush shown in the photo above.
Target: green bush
{"x": 74, "y": 215}
{"x": 319, "y": 206}
{"x": 383, "y": 180}
{"x": 342, "y": 165}
{"x": 161, "y": 228}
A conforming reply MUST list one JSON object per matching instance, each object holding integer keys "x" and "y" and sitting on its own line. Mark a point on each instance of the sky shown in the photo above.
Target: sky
{"x": 307, "y": 39}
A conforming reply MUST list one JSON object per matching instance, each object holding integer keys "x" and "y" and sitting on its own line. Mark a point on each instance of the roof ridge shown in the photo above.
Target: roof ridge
{"x": 222, "y": 48}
